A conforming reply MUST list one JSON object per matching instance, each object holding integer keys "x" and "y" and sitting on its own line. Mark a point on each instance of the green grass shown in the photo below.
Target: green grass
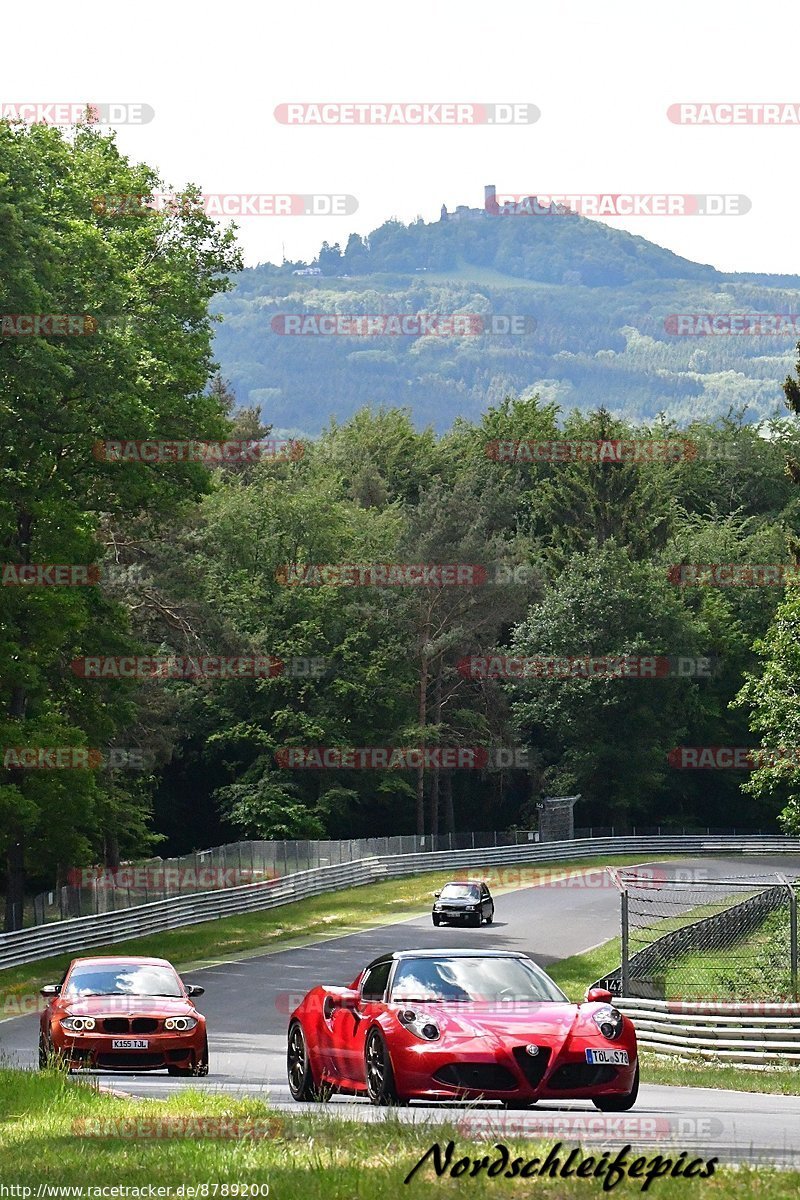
{"x": 755, "y": 967}
{"x": 573, "y": 975}
{"x": 297, "y": 923}
{"x": 299, "y": 1155}
{"x": 676, "y": 1072}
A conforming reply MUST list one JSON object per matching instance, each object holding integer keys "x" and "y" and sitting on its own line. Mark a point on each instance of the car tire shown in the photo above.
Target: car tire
{"x": 44, "y": 1053}
{"x": 201, "y": 1066}
{"x": 381, "y": 1087}
{"x": 490, "y": 917}
{"x": 619, "y": 1103}
{"x": 517, "y": 1103}
{"x": 436, "y": 920}
{"x": 302, "y": 1083}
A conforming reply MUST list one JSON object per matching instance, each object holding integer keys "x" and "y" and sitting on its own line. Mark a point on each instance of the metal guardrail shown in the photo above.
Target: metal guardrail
{"x": 744, "y": 1034}
{"x": 83, "y": 933}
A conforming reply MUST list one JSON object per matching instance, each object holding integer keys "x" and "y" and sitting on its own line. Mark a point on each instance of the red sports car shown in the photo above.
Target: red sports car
{"x": 127, "y": 1014}
{"x": 461, "y": 1025}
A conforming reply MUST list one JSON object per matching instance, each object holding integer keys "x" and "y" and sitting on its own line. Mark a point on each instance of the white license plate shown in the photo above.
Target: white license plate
{"x": 129, "y": 1044}
{"x": 613, "y": 1058}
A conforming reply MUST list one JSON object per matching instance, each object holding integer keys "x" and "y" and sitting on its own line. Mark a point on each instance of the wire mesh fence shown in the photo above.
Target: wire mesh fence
{"x": 93, "y": 890}
{"x": 691, "y": 936}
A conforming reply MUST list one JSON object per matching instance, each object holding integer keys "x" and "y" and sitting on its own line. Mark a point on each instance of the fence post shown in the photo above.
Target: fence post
{"x": 625, "y": 981}
{"x": 792, "y": 931}
{"x": 623, "y": 920}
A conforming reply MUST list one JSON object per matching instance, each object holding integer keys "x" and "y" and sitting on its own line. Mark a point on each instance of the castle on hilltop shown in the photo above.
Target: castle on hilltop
{"x": 464, "y": 213}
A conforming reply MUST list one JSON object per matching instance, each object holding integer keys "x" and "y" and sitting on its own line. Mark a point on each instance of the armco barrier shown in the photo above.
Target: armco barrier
{"x": 744, "y": 1034}
{"x": 83, "y": 933}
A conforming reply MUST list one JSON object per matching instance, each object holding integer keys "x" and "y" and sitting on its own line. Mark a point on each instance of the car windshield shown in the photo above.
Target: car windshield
{"x": 460, "y": 891}
{"x": 480, "y": 979}
{"x": 123, "y": 979}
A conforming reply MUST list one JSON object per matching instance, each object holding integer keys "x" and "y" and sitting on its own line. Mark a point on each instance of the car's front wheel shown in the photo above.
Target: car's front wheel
{"x": 619, "y": 1103}
{"x": 302, "y": 1083}
{"x": 436, "y": 919}
{"x": 490, "y": 917}
{"x": 44, "y": 1052}
{"x": 381, "y": 1087}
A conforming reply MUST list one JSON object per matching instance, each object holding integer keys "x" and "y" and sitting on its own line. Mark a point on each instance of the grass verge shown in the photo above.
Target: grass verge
{"x": 65, "y": 1134}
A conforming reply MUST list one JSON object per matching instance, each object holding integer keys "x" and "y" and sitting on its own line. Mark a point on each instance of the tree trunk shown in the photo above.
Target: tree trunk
{"x": 15, "y": 858}
{"x": 111, "y": 850}
{"x": 437, "y": 717}
{"x": 15, "y": 883}
{"x": 423, "y": 720}
{"x": 449, "y": 818}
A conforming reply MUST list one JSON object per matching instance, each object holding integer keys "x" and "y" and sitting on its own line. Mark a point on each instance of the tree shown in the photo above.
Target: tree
{"x": 138, "y": 286}
{"x": 773, "y": 700}
{"x": 606, "y": 737}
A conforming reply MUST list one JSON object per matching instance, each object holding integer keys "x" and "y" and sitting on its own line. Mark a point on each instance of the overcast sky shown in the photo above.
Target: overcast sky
{"x": 603, "y": 76}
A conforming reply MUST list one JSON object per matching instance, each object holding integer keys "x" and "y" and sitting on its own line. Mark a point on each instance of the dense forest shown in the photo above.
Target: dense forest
{"x": 598, "y": 304}
{"x": 567, "y": 558}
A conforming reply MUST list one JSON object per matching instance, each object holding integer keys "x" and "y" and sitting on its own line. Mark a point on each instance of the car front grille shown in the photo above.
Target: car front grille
{"x": 477, "y": 1077}
{"x": 121, "y": 1060}
{"x": 580, "y": 1075}
{"x": 144, "y": 1025}
{"x": 534, "y": 1066}
{"x": 129, "y": 1025}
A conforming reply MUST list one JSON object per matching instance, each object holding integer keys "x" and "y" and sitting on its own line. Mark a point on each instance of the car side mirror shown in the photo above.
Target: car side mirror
{"x": 437, "y": 895}
{"x": 194, "y": 989}
{"x": 50, "y": 989}
{"x": 347, "y": 998}
{"x": 598, "y": 996}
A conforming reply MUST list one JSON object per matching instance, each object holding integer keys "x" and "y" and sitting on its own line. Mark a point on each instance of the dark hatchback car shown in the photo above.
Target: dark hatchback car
{"x": 470, "y": 903}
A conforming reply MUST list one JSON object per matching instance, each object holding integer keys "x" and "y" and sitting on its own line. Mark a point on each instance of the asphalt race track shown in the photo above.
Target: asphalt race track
{"x": 247, "y": 1003}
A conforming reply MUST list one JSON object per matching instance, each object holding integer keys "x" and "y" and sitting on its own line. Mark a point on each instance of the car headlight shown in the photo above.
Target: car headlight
{"x": 609, "y": 1021}
{"x": 180, "y": 1024}
{"x": 471, "y": 907}
{"x": 78, "y": 1024}
{"x": 437, "y": 907}
{"x": 419, "y": 1024}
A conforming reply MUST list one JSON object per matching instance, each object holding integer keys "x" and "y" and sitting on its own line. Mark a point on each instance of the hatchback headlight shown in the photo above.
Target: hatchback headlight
{"x": 419, "y": 1024}
{"x": 471, "y": 908}
{"x": 78, "y": 1024}
{"x": 609, "y": 1021}
{"x": 180, "y": 1024}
